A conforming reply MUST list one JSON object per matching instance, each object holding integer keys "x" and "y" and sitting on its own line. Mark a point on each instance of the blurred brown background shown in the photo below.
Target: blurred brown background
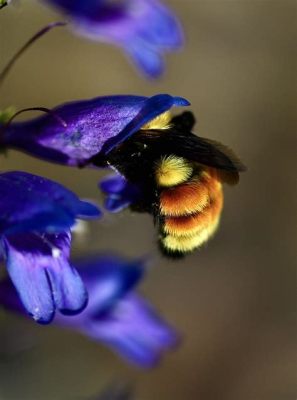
{"x": 234, "y": 300}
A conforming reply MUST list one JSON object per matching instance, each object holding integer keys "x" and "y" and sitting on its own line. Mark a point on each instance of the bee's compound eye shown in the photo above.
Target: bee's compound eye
{"x": 172, "y": 170}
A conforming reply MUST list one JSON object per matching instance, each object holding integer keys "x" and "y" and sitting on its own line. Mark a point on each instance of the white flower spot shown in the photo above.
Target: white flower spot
{"x": 56, "y": 252}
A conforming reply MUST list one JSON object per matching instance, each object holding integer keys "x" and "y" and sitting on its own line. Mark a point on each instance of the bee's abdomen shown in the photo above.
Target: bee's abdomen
{"x": 190, "y": 212}
{"x": 185, "y": 199}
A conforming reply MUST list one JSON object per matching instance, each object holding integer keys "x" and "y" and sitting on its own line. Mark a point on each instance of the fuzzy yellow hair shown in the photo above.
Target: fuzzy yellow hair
{"x": 162, "y": 121}
{"x": 188, "y": 225}
{"x": 185, "y": 244}
{"x": 187, "y": 198}
{"x": 172, "y": 170}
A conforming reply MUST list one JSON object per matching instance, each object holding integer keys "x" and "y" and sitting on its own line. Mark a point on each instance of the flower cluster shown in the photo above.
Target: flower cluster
{"x": 116, "y": 316}
{"x": 160, "y": 167}
{"x": 94, "y": 296}
{"x": 36, "y": 215}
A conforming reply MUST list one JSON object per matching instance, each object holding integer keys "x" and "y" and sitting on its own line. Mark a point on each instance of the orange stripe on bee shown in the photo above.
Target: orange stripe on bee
{"x": 211, "y": 178}
{"x": 187, "y": 198}
{"x": 217, "y": 200}
{"x": 189, "y": 225}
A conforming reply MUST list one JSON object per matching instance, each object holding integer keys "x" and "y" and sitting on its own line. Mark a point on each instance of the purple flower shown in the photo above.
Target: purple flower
{"x": 119, "y": 192}
{"x": 35, "y": 219}
{"x": 114, "y": 315}
{"x": 144, "y": 29}
{"x": 75, "y": 132}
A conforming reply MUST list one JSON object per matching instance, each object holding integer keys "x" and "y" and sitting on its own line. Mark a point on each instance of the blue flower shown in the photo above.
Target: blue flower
{"x": 144, "y": 29}
{"x": 119, "y": 192}
{"x": 73, "y": 133}
{"x": 115, "y": 315}
{"x": 35, "y": 219}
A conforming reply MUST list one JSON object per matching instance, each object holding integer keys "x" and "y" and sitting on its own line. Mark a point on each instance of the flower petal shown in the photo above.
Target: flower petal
{"x": 153, "y": 107}
{"x": 30, "y": 202}
{"x": 92, "y": 126}
{"x": 148, "y": 59}
{"x": 89, "y": 124}
{"x": 109, "y": 278}
{"x": 125, "y": 23}
{"x": 135, "y": 331}
{"x": 38, "y": 266}
{"x": 120, "y": 193}
{"x": 164, "y": 29}
{"x": 123, "y": 321}
{"x": 30, "y": 281}
{"x": 68, "y": 290}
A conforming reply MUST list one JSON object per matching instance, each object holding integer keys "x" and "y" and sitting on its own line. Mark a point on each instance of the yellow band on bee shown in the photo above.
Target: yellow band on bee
{"x": 172, "y": 170}
{"x": 184, "y": 244}
{"x": 162, "y": 121}
{"x": 188, "y": 225}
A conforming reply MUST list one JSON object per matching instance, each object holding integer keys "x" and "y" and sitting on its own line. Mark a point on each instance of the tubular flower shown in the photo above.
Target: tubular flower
{"x": 35, "y": 219}
{"x": 114, "y": 315}
{"x": 120, "y": 194}
{"x": 144, "y": 29}
{"x": 75, "y": 132}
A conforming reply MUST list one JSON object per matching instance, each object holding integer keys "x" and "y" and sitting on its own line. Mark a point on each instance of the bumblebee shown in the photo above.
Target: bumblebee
{"x": 179, "y": 176}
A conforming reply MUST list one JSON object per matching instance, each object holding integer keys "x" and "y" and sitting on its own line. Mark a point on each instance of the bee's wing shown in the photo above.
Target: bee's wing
{"x": 221, "y": 157}
{"x": 196, "y": 149}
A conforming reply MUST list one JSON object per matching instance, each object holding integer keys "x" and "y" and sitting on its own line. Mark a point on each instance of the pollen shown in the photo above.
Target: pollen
{"x": 162, "y": 121}
{"x": 172, "y": 170}
{"x": 184, "y": 199}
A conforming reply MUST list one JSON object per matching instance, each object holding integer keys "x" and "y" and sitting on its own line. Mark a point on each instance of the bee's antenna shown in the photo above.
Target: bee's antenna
{"x": 33, "y": 39}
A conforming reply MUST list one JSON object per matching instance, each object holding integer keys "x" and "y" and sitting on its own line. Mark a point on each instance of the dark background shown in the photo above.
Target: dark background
{"x": 233, "y": 300}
